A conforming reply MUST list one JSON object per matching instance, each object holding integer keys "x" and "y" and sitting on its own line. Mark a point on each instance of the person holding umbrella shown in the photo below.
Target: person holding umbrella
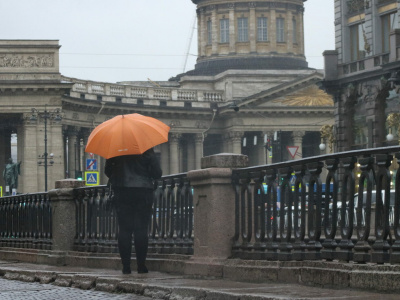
{"x": 131, "y": 178}
{"x": 127, "y": 142}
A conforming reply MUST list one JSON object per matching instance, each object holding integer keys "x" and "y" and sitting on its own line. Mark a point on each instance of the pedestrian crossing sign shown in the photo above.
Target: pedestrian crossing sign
{"x": 92, "y": 178}
{"x": 1, "y": 191}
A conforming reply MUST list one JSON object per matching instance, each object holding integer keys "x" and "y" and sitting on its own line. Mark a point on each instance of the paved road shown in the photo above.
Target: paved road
{"x": 17, "y": 290}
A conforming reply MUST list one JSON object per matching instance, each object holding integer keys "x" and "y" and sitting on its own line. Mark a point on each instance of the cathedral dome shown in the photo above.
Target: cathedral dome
{"x": 251, "y": 35}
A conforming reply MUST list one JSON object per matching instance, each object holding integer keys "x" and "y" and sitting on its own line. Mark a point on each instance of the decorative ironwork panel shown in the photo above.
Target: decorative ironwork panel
{"x": 26, "y": 221}
{"x": 313, "y": 215}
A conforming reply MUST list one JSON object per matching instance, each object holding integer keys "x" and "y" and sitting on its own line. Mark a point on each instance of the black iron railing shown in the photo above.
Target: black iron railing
{"x": 25, "y": 221}
{"x": 171, "y": 225}
{"x": 282, "y": 212}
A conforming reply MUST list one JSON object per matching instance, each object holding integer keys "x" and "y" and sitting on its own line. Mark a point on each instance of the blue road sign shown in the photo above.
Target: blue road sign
{"x": 91, "y": 164}
{"x": 92, "y": 178}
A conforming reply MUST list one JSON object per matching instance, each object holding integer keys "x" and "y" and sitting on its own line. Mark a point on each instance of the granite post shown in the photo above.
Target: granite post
{"x": 214, "y": 212}
{"x": 63, "y": 213}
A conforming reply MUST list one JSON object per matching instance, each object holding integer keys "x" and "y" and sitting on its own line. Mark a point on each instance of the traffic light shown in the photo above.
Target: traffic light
{"x": 78, "y": 175}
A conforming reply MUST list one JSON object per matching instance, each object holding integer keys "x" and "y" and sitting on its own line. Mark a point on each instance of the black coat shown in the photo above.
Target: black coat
{"x": 137, "y": 171}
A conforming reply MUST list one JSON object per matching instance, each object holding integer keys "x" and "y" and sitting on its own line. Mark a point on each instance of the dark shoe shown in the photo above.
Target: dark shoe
{"x": 142, "y": 269}
{"x": 126, "y": 270}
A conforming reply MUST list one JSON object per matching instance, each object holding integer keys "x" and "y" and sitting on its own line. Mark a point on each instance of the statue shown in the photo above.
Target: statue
{"x": 10, "y": 174}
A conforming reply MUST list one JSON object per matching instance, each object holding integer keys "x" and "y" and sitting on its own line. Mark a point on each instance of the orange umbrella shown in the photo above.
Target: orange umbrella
{"x": 126, "y": 134}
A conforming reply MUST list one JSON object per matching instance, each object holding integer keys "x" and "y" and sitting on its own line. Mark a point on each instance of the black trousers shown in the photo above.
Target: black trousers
{"x": 134, "y": 207}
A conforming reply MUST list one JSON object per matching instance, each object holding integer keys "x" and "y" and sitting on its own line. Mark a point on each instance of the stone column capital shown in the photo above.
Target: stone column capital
{"x": 298, "y": 135}
{"x": 199, "y": 138}
{"x": 236, "y": 135}
{"x": 174, "y": 137}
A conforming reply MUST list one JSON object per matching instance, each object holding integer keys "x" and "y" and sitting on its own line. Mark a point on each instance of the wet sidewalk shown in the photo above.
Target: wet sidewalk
{"x": 159, "y": 285}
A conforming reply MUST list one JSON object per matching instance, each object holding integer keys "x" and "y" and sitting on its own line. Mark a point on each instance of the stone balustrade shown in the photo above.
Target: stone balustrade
{"x": 143, "y": 92}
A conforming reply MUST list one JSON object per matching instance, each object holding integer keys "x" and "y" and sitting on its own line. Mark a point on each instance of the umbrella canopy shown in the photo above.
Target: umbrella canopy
{"x": 127, "y": 134}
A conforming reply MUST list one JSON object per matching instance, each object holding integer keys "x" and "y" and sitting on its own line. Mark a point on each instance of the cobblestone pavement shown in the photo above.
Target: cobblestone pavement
{"x": 17, "y": 290}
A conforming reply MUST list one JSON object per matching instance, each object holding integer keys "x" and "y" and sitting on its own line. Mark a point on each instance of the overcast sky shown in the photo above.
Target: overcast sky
{"x": 134, "y": 40}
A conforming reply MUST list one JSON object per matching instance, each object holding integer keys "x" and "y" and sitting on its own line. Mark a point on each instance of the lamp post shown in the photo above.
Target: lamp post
{"x": 393, "y": 120}
{"x": 45, "y": 115}
{"x": 327, "y": 132}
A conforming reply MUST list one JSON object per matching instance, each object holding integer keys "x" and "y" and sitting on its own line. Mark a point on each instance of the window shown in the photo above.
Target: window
{"x": 224, "y": 30}
{"x": 209, "y": 32}
{"x": 389, "y": 22}
{"x": 262, "y": 32}
{"x": 280, "y": 30}
{"x": 294, "y": 25}
{"x": 357, "y": 42}
{"x": 242, "y": 30}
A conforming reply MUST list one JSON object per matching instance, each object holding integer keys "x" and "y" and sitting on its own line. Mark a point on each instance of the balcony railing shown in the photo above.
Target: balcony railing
{"x": 283, "y": 214}
{"x": 364, "y": 64}
{"x": 143, "y": 92}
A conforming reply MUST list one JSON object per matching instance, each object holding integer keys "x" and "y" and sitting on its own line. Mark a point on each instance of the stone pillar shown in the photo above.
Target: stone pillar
{"x": 272, "y": 29}
{"x": 202, "y": 32}
{"x": 252, "y": 28}
{"x": 298, "y": 141}
{"x": 214, "y": 25}
{"x": 232, "y": 28}
{"x": 174, "y": 152}
{"x": 214, "y": 220}
{"x": 289, "y": 32}
{"x": 198, "y": 150}
{"x": 64, "y": 226}
{"x": 300, "y": 29}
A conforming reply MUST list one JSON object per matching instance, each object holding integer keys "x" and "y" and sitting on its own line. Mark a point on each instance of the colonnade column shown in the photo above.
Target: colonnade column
{"x": 199, "y": 138}
{"x": 165, "y": 157}
{"x": 227, "y": 145}
{"x": 174, "y": 152}
{"x": 191, "y": 154}
{"x": 298, "y": 142}
{"x": 262, "y": 150}
{"x": 28, "y": 153}
{"x": 55, "y": 146}
{"x": 5, "y": 152}
{"x": 236, "y": 138}
{"x": 268, "y": 154}
{"x": 72, "y": 149}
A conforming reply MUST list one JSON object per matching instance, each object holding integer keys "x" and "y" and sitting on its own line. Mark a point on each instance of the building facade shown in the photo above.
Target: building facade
{"x": 251, "y": 92}
{"x": 362, "y": 73}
